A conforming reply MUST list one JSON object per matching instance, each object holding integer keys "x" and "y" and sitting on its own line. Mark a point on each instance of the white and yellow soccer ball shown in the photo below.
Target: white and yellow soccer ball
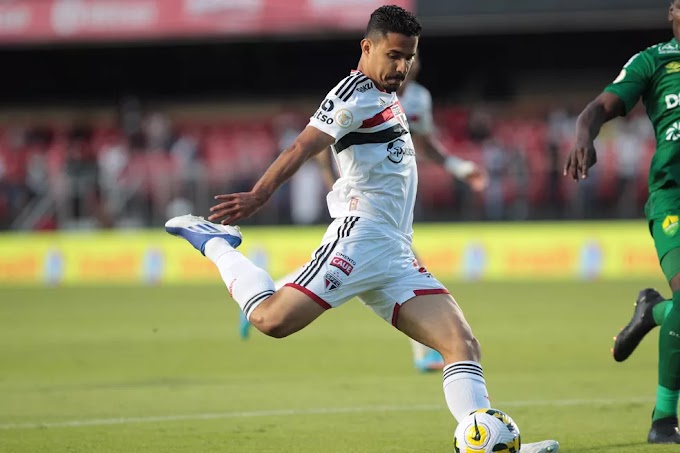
{"x": 487, "y": 431}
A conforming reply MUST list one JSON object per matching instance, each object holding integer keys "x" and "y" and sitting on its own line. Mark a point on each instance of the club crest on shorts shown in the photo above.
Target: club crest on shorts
{"x": 331, "y": 281}
{"x": 670, "y": 225}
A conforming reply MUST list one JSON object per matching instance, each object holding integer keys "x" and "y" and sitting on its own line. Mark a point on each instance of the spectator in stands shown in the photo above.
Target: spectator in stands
{"x": 84, "y": 202}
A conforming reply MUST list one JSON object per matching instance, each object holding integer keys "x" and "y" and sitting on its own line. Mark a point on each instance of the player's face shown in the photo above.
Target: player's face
{"x": 389, "y": 59}
{"x": 674, "y": 13}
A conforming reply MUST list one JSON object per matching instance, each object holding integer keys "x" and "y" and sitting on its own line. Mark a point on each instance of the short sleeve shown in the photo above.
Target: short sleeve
{"x": 633, "y": 80}
{"x": 344, "y": 109}
{"x": 420, "y": 121}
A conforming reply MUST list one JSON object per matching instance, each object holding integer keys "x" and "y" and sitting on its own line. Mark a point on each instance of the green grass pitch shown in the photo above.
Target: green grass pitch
{"x": 163, "y": 370}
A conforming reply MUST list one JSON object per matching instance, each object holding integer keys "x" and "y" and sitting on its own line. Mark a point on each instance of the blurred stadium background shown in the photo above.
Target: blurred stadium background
{"x": 118, "y": 114}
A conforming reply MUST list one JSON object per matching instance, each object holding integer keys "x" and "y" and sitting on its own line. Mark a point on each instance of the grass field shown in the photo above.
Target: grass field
{"x": 163, "y": 370}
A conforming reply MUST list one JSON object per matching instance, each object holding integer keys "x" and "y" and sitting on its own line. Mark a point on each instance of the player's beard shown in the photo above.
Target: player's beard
{"x": 392, "y": 85}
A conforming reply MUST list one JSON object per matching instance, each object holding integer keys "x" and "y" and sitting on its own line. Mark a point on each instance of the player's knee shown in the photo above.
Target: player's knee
{"x": 272, "y": 326}
{"x": 462, "y": 345}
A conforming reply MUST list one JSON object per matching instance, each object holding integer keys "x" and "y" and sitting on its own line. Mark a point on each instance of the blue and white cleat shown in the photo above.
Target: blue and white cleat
{"x": 545, "y": 446}
{"x": 198, "y": 231}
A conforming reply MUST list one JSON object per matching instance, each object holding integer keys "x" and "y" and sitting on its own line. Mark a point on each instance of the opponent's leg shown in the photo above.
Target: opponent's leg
{"x": 665, "y": 416}
{"x": 649, "y": 312}
{"x": 275, "y": 313}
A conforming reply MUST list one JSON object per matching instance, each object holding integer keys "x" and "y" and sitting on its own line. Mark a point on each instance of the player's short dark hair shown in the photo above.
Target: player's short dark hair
{"x": 393, "y": 19}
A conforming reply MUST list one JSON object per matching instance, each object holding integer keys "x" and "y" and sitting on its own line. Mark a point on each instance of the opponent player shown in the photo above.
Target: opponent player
{"x": 654, "y": 75}
{"x": 366, "y": 251}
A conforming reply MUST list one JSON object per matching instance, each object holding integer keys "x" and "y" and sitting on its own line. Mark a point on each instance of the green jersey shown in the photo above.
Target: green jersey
{"x": 654, "y": 75}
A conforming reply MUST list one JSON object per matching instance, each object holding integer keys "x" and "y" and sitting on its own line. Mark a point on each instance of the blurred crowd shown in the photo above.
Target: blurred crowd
{"x": 136, "y": 168}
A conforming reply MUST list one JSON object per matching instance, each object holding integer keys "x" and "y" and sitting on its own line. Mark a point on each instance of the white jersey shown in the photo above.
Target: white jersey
{"x": 373, "y": 151}
{"x": 417, "y": 103}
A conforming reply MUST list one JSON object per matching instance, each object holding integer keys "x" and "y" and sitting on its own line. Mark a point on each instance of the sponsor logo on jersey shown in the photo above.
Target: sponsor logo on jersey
{"x": 331, "y": 281}
{"x": 672, "y": 101}
{"x": 343, "y": 265}
{"x": 321, "y": 116}
{"x": 671, "y": 47}
{"x": 344, "y": 118}
{"x": 670, "y": 225}
{"x": 673, "y": 67}
{"x": 397, "y": 149}
{"x": 327, "y": 105}
{"x": 347, "y": 258}
{"x": 673, "y": 132}
{"x": 365, "y": 87}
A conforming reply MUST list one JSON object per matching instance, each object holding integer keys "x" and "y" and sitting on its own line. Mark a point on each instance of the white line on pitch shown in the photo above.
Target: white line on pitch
{"x": 312, "y": 411}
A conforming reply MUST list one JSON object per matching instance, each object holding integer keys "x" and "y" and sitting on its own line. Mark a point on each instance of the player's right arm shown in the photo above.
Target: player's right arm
{"x": 617, "y": 99}
{"x": 232, "y": 207}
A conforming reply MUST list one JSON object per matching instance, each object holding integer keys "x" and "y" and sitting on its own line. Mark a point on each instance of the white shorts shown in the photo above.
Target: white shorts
{"x": 362, "y": 258}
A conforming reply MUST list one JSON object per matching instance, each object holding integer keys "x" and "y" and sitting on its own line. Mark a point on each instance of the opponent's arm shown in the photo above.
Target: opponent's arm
{"x": 233, "y": 207}
{"x": 588, "y": 125}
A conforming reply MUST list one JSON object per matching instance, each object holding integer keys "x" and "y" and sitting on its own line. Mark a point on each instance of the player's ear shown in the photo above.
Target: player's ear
{"x": 670, "y": 12}
{"x": 366, "y": 46}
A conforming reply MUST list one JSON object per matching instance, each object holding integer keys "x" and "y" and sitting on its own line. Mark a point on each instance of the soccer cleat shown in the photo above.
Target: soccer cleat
{"x": 433, "y": 361}
{"x": 664, "y": 431}
{"x": 544, "y": 446}
{"x": 198, "y": 231}
{"x": 639, "y": 326}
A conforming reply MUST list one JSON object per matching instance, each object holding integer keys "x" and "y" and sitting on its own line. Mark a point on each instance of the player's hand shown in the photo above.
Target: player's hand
{"x": 580, "y": 159}
{"x": 477, "y": 179}
{"x": 235, "y": 206}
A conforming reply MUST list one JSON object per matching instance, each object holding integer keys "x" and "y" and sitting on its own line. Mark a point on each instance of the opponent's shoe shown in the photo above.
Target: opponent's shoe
{"x": 639, "y": 326}
{"x": 433, "y": 361}
{"x": 198, "y": 231}
{"x": 544, "y": 446}
{"x": 243, "y": 326}
{"x": 664, "y": 431}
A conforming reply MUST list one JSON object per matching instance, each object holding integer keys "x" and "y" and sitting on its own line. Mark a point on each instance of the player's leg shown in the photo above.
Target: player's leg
{"x": 665, "y": 416}
{"x": 244, "y": 324}
{"x": 424, "y": 359}
{"x": 435, "y": 320}
{"x": 275, "y": 313}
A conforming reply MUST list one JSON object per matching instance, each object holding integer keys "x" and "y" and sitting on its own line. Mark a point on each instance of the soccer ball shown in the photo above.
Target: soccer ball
{"x": 486, "y": 431}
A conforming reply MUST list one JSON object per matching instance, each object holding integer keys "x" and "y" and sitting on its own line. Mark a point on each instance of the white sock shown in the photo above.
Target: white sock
{"x": 419, "y": 350}
{"x": 465, "y": 388}
{"x": 248, "y": 284}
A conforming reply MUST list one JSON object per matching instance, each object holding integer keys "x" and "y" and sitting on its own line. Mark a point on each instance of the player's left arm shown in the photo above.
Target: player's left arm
{"x": 427, "y": 143}
{"x": 430, "y": 146}
{"x": 617, "y": 99}
{"x": 232, "y": 207}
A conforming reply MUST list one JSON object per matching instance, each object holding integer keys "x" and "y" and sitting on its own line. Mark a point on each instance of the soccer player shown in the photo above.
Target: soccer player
{"x": 654, "y": 75}
{"x": 417, "y": 103}
{"x": 366, "y": 251}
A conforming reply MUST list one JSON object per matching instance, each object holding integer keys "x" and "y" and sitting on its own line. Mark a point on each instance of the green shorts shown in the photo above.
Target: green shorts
{"x": 666, "y": 234}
